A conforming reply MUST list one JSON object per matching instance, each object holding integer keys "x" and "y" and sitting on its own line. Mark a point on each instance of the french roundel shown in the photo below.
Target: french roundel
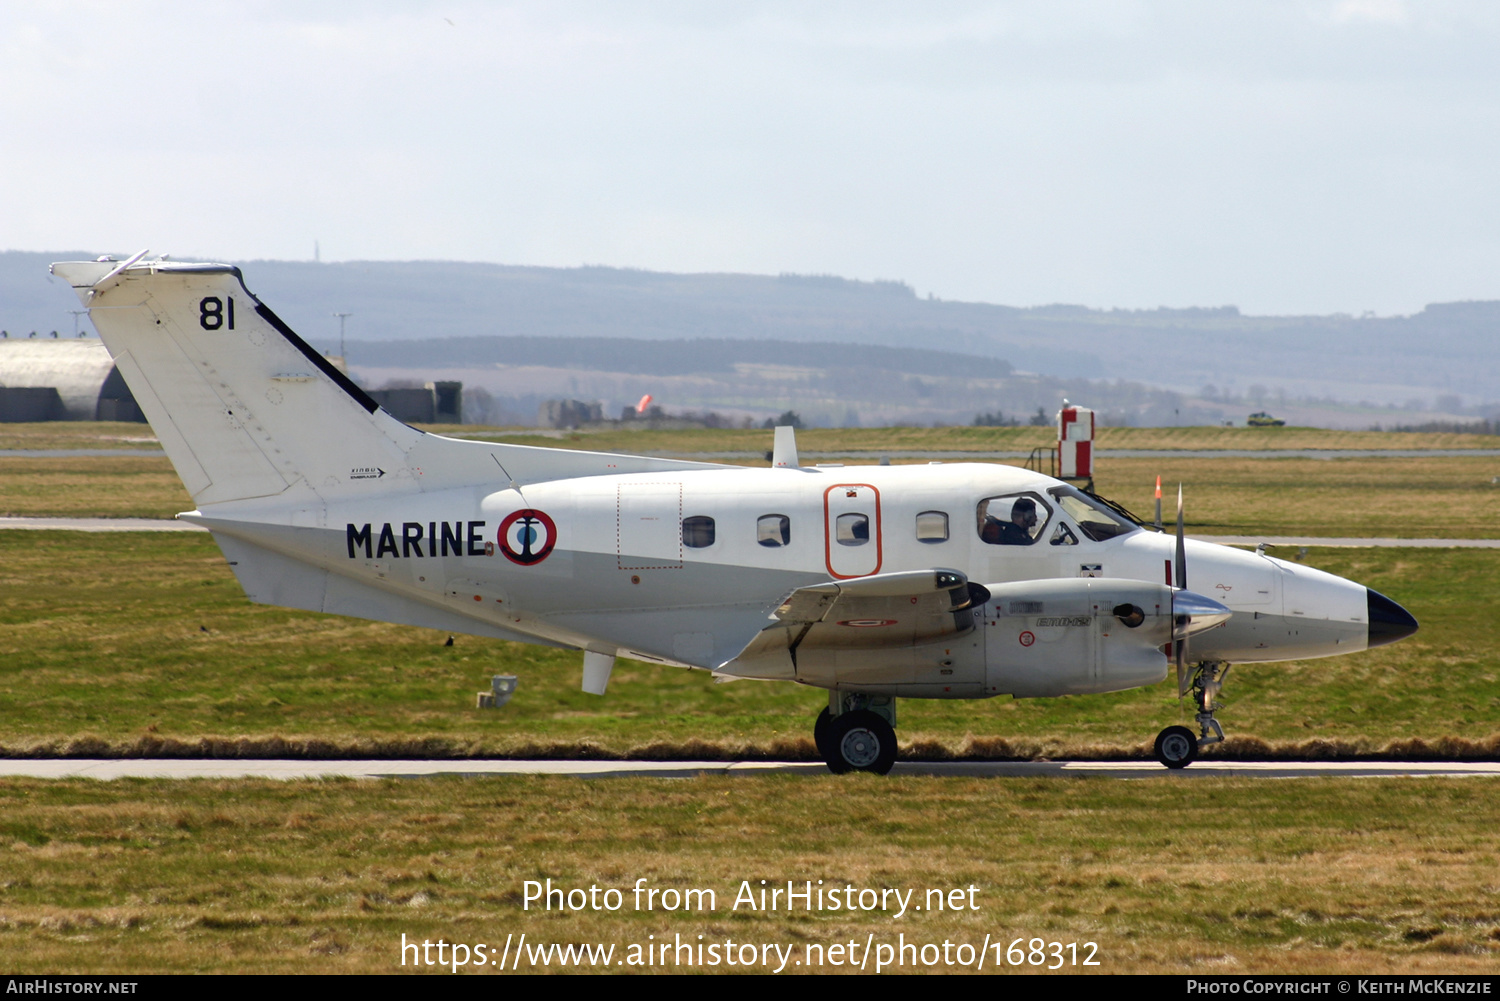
{"x": 527, "y": 536}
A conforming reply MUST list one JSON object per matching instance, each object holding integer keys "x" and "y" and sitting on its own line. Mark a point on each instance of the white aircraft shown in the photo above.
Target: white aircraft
{"x": 943, "y": 581}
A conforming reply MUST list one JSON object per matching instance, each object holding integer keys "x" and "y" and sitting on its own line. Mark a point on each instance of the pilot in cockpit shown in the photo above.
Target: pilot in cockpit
{"x": 1017, "y": 531}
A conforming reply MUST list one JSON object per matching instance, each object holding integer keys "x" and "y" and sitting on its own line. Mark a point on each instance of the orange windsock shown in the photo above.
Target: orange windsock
{"x": 1158, "y": 488}
{"x": 640, "y": 408}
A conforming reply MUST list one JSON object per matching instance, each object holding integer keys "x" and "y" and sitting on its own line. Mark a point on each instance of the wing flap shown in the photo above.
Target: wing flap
{"x": 877, "y": 612}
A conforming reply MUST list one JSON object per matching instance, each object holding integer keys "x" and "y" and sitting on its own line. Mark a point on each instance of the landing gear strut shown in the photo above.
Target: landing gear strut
{"x": 1176, "y": 746}
{"x": 856, "y": 733}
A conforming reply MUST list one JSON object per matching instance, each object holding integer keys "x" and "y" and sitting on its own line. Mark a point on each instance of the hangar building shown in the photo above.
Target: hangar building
{"x": 62, "y": 380}
{"x": 76, "y": 380}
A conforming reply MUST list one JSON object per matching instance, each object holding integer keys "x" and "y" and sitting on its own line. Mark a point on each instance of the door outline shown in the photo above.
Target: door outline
{"x": 828, "y": 530}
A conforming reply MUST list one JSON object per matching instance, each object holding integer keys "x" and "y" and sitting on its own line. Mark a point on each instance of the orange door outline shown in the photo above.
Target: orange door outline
{"x": 828, "y": 542}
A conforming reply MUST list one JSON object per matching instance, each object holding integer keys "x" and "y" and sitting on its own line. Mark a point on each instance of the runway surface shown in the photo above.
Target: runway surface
{"x": 100, "y": 525}
{"x": 114, "y": 768}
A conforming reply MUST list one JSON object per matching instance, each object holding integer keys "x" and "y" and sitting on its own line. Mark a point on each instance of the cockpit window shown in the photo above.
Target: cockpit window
{"x": 1094, "y": 519}
{"x": 1013, "y": 520}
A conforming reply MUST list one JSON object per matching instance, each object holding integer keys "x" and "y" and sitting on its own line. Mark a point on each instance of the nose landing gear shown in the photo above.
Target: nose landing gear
{"x": 1177, "y": 746}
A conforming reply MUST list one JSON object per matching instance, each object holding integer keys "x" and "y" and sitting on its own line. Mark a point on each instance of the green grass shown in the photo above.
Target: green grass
{"x": 973, "y": 439}
{"x": 137, "y": 641}
{"x": 103, "y": 434}
{"x": 91, "y": 487}
{"x": 1414, "y": 498}
{"x": 125, "y": 638}
{"x": 1204, "y": 876}
{"x": 1428, "y": 497}
{"x": 78, "y": 434}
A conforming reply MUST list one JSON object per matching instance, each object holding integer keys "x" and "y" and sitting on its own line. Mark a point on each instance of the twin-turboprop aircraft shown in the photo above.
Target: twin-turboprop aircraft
{"x": 943, "y": 581}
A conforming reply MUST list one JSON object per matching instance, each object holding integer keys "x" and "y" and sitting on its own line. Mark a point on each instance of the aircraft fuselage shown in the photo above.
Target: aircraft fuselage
{"x": 683, "y": 567}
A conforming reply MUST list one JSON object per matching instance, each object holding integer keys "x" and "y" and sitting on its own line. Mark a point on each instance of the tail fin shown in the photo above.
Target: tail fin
{"x": 245, "y": 408}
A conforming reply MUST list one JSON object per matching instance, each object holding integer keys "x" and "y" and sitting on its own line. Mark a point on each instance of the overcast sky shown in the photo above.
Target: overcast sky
{"x": 1320, "y": 156}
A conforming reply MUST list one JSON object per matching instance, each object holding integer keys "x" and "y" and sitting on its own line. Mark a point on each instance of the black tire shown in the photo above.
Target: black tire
{"x": 820, "y": 733}
{"x": 1176, "y": 747}
{"x": 860, "y": 741}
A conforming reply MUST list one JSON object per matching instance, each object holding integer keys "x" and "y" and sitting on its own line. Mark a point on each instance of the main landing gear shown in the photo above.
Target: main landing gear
{"x": 857, "y": 733}
{"x": 1177, "y": 746}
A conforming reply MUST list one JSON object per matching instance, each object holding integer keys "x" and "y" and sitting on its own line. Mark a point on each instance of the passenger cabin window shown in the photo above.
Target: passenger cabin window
{"x": 852, "y": 530}
{"x": 773, "y": 530}
{"x": 698, "y": 531}
{"x": 1013, "y": 520}
{"x": 932, "y": 526}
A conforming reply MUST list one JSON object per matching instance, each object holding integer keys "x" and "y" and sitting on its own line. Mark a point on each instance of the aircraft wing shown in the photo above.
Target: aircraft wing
{"x": 878, "y": 612}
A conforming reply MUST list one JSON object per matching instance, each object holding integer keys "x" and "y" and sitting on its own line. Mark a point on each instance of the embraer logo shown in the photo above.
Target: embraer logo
{"x": 442, "y": 538}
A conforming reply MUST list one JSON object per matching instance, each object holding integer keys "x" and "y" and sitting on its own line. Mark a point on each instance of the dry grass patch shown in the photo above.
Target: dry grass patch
{"x": 91, "y": 487}
{"x": 143, "y": 643}
{"x": 1432, "y": 497}
{"x": 78, "y": 434}
{"x": 1166, "y": 876}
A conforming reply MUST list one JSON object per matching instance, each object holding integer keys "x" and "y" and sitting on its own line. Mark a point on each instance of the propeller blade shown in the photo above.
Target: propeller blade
{"x": 1182, "y": 641}
{"x": 1182, "y": 675}
{"x": 1192, "y": 613}
{"x": 1181, "y": 546}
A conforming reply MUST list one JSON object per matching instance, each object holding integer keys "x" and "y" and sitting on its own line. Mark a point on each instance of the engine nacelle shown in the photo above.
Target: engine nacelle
{"x": 1029, "y": 639}
{"x": 1076, "y": 636}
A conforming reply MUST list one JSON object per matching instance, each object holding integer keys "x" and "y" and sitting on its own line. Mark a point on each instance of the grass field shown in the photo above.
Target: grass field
{"x": 1210, "y": 876}
{"x": 841, "y": 441}
{"x": 1404, "y": 497}
{"x": 143, "y": 643}
{"x": 105, "y": 434}
{"x": 124, "y": 640}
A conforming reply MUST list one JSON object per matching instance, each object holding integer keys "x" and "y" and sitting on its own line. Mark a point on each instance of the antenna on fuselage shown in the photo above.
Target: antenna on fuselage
{"x": 784, "y": 452}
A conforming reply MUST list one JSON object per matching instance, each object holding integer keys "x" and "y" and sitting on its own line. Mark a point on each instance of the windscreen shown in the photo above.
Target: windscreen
{"x": 1094, "y": 519}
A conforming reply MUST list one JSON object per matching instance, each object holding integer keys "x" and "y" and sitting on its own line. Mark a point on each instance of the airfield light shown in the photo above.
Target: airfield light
{"x": 342, "y": 317}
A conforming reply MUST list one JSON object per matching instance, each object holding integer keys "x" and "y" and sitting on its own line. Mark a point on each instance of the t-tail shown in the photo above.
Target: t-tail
{"x": 246, "y": 409}
{"x": 290, "y": 463}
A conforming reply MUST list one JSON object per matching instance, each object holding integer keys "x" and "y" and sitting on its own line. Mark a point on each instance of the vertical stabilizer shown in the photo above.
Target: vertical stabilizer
{"x": 242, "y": 405}
{"x": 246, "y": 409}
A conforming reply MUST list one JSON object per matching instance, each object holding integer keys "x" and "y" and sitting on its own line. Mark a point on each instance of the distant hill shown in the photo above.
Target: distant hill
{"x": 827, "y": 384}
{"x": 694, "y": 357}
{"x": 1445, "y": 351}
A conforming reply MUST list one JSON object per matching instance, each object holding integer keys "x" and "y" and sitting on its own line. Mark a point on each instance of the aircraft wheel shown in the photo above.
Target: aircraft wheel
{"x": 860, "y": 741}
{"x": 1176, "y": 747}
{"x": 820, "y": 734}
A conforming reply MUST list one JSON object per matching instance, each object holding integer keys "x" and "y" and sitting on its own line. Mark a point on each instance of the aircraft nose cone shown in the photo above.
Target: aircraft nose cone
{"x": 1389, "y": 622}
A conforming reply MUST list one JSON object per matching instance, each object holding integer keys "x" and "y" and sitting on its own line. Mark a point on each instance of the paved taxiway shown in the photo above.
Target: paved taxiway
{"x": 197, "y": 768}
